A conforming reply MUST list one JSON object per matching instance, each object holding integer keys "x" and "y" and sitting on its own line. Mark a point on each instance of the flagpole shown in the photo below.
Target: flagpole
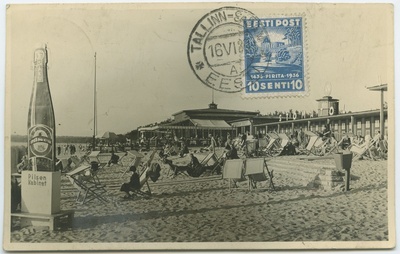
{"x": 94, "y": 106}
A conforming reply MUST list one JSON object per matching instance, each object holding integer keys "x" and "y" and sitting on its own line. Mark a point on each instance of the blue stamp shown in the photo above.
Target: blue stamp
{"x": 274, "y": 57}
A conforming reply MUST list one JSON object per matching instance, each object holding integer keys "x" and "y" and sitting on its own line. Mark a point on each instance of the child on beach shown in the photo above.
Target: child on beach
{"x": 134, "y": 183}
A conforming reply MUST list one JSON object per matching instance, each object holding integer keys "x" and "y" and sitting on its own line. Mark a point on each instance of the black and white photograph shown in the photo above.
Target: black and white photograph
{"x": 199, "y": 126}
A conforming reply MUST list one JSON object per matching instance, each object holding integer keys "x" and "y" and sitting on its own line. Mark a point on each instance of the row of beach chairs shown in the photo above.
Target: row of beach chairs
{"x": 274, "y": 143}
{"x": 251, "y": 170}
{"x": 84, "y": 177}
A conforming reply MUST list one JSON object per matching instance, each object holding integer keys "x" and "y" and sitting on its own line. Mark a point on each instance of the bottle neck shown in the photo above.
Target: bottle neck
{"x": 40, "y": 62}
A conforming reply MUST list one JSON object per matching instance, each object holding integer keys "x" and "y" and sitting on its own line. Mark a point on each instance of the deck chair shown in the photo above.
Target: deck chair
{"x": 137, "y": 158}
{"x": 284, "y": 139}
{"x": 172, "y": 150}
{"x": 212, "y": 161}
{"x": 257, "y": 171}
{"x": 314, "y": 141}
{"x": 330, "y": 146}
{"x": 273, "y": 144}
{"x": 85, "y": 180}
{"x": 144, "y": 179}
{"x": 262, "y": 143}
{"x": 233, "y": 171}
{"x": 383, "y": 149}
{"x": 361, "y": 150}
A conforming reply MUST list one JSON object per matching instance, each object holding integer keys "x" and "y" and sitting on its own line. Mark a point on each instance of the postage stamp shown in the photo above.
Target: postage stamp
{"x": 274, "y": 57}
{"x": 216, "y": 50}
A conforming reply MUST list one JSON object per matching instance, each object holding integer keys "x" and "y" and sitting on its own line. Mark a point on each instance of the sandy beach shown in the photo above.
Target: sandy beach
{"x": 186, "y": 209}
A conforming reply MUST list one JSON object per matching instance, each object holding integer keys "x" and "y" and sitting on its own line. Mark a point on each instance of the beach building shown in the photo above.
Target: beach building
{"x": 199, "y": 123}
{"x": 360, "y": 123}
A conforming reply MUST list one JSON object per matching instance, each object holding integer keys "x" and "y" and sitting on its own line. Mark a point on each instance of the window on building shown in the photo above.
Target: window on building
{"x": 376, "y": 123}
{"x": 358, "y": 124}
{"x": 367, "y": 124}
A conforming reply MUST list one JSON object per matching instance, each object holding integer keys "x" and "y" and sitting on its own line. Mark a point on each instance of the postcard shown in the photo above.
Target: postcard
{"x": 199, "y": 126}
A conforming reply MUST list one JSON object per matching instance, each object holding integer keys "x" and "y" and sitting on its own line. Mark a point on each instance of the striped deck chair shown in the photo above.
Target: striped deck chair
{"x": 144, "y": 176}
{"x": 273, "y": 146}
{"x": 212, "y": 162}
{"x": 284, "y": 139}
{"x": 364, "y": 149}
{"x": 257, "y": 171}
{"x": 233, "y": 171}
{"x": 85, "y": 180}
{"x": 135, "y": 161}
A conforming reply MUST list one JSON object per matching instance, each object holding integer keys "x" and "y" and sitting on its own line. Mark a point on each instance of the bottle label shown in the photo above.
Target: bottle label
{"x": 41, "y": 140}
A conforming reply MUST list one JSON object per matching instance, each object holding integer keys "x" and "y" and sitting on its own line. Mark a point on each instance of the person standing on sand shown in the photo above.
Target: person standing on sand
{"x": 213, "y": 143}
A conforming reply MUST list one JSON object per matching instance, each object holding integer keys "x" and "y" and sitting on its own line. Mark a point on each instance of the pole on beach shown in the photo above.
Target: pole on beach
{"x": 94, "y": 106}
{"x": 343, "y": 161}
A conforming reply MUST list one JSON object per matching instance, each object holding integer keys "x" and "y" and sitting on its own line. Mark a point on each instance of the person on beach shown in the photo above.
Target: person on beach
{"x": 194, "y": 162}
{"x": 228, "y": 140}
{"x": 213, "y": 143}
{"x": 184, "y": 149}
{"x": 23, "y": 165}
{"x": 231, "y": 153}
{"x": 114, "y": 159}
{"x": 300, "y": 136}
{"x": 133, "y": 185}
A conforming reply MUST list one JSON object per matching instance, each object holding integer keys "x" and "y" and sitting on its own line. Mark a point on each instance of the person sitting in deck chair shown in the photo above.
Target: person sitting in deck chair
{"x": 231, "y": 153}
{"x": 195, "y": 168}
{"x": 114, "y": 159}
{"x": 288, "y": 149}
{"x": 134, "y": 183}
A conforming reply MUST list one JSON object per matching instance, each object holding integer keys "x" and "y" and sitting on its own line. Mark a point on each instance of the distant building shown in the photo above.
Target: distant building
{"x": 190, "y": 123}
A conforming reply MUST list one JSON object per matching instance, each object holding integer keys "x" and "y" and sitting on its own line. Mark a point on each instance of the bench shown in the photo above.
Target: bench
{"x": 50, "y": 220}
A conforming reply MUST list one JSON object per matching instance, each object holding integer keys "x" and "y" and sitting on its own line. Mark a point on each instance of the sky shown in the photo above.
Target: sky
{"x": 143, "y": 74}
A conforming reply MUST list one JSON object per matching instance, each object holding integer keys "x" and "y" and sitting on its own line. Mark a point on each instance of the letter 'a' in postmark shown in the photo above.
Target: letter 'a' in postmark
{"x": 274, "y": 57}
{"x": 216, "y": 49}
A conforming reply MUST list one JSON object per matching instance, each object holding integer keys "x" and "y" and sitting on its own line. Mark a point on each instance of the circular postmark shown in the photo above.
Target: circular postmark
{"x": 216, "y": 48}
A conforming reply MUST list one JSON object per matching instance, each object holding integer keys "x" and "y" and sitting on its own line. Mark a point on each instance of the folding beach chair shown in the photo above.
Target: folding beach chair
{"x": 144, "y": 178}
{"x": 383, "y": 149}
{"x": 262, "y": 144}
{"x": 284, "y": 139}
{"x": 315, "y": 143}
{"x": 330, "y": 146}
{"x": 233, "y": 171}
{"x": 85, "y": 180}
{"x": 171, "y": 150}
{"x": 212, "y": 162}
{"x": 137, "y": 158}
{"x": 257, "y": 171}
{"x": 363, "y": 150}
{"x": 273, "y": 146}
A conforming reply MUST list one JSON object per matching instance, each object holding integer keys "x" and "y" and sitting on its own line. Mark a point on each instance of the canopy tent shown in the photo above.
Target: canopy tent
{"x": 109, "y": 135}
{"x": 211, "y": 124}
